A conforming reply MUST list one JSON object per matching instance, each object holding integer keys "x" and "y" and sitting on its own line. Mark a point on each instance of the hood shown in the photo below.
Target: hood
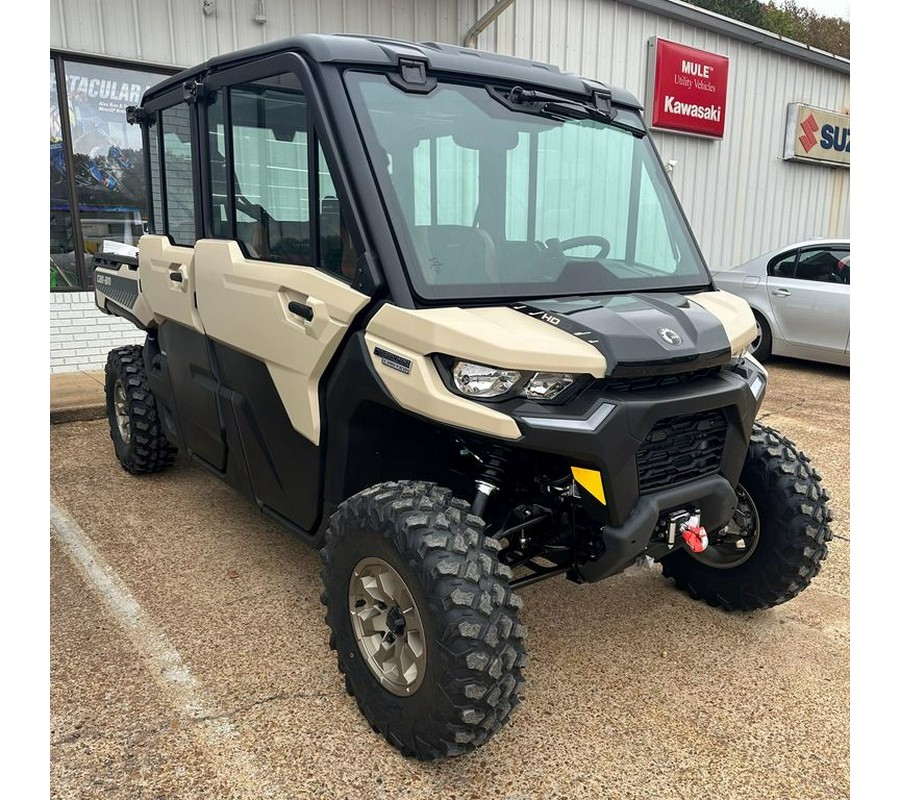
{"x": 641, "y": 334}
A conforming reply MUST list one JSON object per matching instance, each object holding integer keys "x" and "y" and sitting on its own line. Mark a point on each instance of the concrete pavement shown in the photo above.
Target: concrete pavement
{"x": 634, "y": 690}
{"x": 77, "y": 396}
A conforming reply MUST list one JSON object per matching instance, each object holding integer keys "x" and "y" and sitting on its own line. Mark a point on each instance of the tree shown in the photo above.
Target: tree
{"x": 788, "y": 19}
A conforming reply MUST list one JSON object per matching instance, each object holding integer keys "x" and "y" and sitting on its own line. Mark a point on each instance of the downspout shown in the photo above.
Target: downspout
{"x": 484, "y": 20}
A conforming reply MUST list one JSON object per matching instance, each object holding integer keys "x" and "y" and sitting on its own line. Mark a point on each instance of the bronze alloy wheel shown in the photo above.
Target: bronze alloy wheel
{"x": 123, "y": 421}
{"x": 387, "y": 626}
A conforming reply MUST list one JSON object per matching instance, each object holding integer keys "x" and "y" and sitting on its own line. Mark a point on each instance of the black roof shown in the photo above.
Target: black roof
{"x": 383, "y": 52}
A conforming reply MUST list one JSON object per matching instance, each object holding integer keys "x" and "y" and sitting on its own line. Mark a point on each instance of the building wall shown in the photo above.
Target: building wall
{"x": 179, "y": 33}
{"x": 81, "y": 334}
{"x": 741, "y": 198}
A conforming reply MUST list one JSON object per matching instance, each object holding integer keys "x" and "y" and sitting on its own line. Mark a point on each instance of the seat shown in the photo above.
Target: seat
{"x": 456, "y": 254}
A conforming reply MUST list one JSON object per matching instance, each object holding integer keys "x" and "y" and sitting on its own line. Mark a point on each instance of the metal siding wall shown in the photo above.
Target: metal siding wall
{"x": 177, "y": 32}
{"x": 742, "y": 199}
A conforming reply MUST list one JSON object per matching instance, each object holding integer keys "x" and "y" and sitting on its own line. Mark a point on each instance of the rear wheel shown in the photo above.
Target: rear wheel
{"x": 426, "y": 629}
{"x": 775, "y": 542}
{"x": 761, "y": 346}
{"x": 134, "y": 423}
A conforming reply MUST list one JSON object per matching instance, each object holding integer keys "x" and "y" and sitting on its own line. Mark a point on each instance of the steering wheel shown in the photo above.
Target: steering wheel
{"x": 582, "y": 241}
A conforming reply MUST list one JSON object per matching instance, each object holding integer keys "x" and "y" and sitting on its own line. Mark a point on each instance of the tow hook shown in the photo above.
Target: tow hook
{"x": 694, "y": 535}
{"x": 686, "y": 524}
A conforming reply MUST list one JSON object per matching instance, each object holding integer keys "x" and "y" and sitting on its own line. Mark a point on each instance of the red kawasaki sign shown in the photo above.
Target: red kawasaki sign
{"x": 689, "y": 89}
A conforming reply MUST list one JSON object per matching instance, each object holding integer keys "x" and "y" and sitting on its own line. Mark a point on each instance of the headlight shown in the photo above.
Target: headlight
{"x": 547, "y": 385}
{"x": 485, "y": 382}
{"x": 477, "y": 380}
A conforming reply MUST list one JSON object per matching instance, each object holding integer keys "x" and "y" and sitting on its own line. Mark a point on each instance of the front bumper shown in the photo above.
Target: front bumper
{"x": 657, "y": 449}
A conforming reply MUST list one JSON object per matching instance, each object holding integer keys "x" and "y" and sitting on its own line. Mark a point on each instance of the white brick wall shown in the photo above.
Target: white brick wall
{"x": 81, "y": 334}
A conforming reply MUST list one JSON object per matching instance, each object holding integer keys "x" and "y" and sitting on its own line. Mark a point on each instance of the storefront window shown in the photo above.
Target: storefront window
{"x": 108, "y": 159}
{"x": 63, "y": 261}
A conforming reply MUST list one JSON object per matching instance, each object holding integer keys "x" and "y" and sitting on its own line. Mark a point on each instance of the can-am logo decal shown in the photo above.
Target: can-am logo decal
{"x": 669, "y": 336}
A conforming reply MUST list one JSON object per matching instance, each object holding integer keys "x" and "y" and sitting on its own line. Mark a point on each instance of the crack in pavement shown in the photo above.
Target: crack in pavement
{"x": 214, "y": 733}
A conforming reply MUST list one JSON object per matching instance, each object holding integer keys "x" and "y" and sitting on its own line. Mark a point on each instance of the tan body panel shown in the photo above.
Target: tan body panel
{"x": 158, "y": 259}
{"x": 497, "y": 336}
{"x": 501, "y": 337}
{"x": 244, "y": 304}
{"x": 735, "y": 315}
{"x": 422, "y": 391}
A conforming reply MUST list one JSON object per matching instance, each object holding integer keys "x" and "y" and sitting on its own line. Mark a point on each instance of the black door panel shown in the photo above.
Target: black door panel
{"x": 194, "y": 391}
{"x": 284, "y": 466}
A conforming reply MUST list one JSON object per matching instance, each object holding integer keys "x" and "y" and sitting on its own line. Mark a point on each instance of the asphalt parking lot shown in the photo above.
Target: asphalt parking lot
{"x": 189, "y": 656}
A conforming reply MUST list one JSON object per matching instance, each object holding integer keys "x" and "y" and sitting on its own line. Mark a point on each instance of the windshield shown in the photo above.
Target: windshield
{"x": 492, "y": 202}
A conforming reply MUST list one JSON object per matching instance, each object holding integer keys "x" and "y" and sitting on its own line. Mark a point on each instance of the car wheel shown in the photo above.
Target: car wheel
{"x": 761, "y": 346}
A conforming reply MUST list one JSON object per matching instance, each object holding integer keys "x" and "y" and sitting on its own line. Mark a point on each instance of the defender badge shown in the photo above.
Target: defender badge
{"x": 669, "y": 336}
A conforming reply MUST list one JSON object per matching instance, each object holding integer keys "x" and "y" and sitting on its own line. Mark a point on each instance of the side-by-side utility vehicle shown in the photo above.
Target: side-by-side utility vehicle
{"x": 439, "y": 313}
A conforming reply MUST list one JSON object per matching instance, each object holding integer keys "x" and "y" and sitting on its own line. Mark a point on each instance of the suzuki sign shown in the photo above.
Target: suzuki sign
{"x": 687, "y": 89}
{"x": 818, "y": 135}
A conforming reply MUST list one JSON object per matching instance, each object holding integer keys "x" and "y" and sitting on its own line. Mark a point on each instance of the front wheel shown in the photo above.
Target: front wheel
{"x": 774, "y": 544}
{"x": 426, "y": 629}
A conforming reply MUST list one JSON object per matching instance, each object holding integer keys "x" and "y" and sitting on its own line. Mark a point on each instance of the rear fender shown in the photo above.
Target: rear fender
{"x": 117, "y": 290}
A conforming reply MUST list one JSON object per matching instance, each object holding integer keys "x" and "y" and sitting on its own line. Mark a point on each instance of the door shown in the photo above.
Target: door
{"x": 273, "y": 279}
{"x": 810, "y": 296}
{"x": 167, "y": 276}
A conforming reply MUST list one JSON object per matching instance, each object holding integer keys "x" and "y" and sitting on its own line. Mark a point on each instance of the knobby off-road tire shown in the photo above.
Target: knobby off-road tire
{"x": 134, "y": 423}
{"x": 473, "y": 639}
{"x": 791, "y": 542}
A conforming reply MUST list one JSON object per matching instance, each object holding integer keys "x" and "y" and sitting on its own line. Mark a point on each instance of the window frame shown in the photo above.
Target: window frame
{"x": 319, "y": 139}
{"x": 421, "y": 294}
{"x": 781, "y": 257}
{"x": 159, "y": 104}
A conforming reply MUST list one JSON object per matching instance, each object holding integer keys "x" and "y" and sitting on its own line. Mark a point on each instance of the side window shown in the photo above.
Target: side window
{"x": 278, "y": 199}
{"x": 823, "y": 264}
{"x": 271, "y": 170}
{"x": 783, "y": 266}
{"x": 159, "y": 224}
{"x": 218, "y": 172}
{"x": 337, "y": 252}
{"x": 178, "y": 174}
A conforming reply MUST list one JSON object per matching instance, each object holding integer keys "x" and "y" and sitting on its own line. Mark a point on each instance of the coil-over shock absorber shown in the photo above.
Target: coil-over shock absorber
{"x": 493, "y": 470}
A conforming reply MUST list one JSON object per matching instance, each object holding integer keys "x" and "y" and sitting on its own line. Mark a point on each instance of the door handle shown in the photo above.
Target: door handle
{"x": 176, "y": 276}
{"x": 301, "y": 310}
{"x": 782, "y": 292}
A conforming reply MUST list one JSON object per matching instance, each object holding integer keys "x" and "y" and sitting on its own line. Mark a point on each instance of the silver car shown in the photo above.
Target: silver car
{"x": 800, "y": 295}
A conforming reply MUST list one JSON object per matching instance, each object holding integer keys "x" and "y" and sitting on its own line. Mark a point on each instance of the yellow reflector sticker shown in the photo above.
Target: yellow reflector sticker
{"x": 590, "y": 479}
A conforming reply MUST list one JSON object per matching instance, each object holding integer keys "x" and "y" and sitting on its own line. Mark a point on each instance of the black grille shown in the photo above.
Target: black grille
{"x": 643, "y": 383}
{"x": 681, "y": 449}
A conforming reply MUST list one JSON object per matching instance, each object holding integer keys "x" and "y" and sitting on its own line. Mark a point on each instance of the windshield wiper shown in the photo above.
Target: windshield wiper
{"x": 555, "y": 106}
